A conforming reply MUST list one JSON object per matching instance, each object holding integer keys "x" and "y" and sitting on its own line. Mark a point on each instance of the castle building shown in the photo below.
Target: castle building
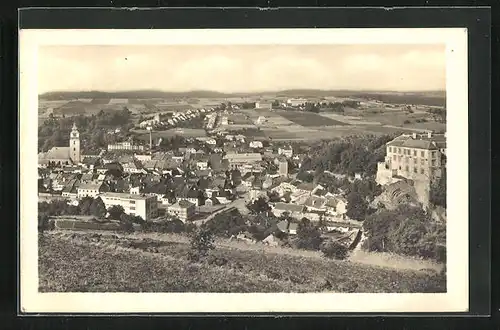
{"x": 60, "y": 156}
{"x": 416, "y": 158}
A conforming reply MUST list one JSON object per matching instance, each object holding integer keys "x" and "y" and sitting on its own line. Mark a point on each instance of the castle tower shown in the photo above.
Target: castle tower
{"x": 74, "y": 145}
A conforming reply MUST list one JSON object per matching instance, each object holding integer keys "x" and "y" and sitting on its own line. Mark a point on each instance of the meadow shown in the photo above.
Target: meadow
{"x": 80, "y": 262}
{"x": 310, "y": 119}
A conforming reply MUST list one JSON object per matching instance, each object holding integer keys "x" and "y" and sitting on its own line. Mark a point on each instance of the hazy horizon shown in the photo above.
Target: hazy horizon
{"x": 242, "y": 69}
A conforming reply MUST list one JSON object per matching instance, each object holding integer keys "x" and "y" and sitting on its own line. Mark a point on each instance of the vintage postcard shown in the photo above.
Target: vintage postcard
{"x": 249, "y": 170}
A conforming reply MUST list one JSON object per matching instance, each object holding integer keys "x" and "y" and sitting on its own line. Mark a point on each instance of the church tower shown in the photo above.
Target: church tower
{"x": 74, "y": 145}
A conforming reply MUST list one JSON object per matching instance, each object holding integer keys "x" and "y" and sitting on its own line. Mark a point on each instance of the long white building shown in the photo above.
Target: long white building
{"x": 144, "y": 206}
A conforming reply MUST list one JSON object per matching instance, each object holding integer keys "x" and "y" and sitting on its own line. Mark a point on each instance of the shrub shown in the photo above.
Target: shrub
{"x": 334, "y": 250}
{"x": 44, "y": 223}
{"x": 407, "y": 121}
{"x": 202, "y": 242}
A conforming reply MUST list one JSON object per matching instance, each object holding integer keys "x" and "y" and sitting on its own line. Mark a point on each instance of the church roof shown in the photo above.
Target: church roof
{"x": 59, "y": 153}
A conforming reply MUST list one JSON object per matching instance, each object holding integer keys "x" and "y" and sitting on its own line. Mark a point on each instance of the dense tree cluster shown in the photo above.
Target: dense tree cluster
{"x": 406, "y": 230}
{"x": 308, "y": 235}
{"x": 349, "y": 155}
{"x": 226, "y": 224}
{"x": 87, "y": 206}
{"x": 54, "y": 132}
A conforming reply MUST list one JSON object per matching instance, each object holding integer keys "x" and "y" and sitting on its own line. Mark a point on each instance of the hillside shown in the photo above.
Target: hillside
{"x": 77, "y": 262}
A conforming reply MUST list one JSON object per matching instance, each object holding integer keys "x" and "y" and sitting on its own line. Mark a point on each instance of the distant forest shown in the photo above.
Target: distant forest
{"x": 433, "y": 98}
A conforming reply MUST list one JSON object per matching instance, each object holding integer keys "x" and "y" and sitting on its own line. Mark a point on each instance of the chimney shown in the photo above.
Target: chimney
{"x": 414, "y": 135}
{"x": 429, "y": 135}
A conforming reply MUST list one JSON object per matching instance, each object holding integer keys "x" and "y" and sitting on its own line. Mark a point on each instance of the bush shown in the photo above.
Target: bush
{"x": 407, "y": 121}
{"x": 44, "y": 223}
{"x": 202, "y": 242}
{"x": 334, "y": 250}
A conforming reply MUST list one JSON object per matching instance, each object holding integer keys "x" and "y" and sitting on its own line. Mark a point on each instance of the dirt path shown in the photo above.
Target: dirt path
{"x": 383, "y": 260}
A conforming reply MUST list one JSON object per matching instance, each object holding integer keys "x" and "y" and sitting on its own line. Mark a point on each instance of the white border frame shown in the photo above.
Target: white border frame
{"x": 456, "y": 298}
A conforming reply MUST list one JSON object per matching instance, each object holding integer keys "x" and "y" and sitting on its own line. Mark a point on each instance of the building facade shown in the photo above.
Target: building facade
{"x": 283, "y": 167}
{"x": 420, "y": 158}
{"x": 138, "y": 205}
{"x": 126, "y": 145}
{"x": 183, "y": 210}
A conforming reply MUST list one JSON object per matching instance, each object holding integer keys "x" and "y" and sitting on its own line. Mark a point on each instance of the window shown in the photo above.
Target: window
{"x": 74, "y": 142}
{"x": 415, "y": 153}
{"x": 422, "y": 153}
{"x": 132, "y": 202}
{"x": 414, "y": 160}
{"x": 422, "y": 162}
{"x": 422, "y": 171}
{"x": 74, "y": 149}
{"x": 433, "y": 162}
{"x": 132, "y": 207}
{"x": 394, "y": 157}
{"x": 407, "y": 168}
{"x": 434, "y": 154}
{"x": 399, "y": 150}
{"x": 415, "y": 170}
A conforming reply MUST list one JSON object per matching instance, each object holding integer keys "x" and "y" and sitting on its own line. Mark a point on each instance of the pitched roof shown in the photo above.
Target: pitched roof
{"x": 315, "y": 201}
{"x": 289, "y": 207}
{"x": 90, "y": 186}
{"x": 55, "y": 153}
{"x": 421, "y": 142}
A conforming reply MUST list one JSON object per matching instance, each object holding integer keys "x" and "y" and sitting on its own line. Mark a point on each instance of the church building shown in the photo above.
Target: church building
{"x": 63, "y": 155}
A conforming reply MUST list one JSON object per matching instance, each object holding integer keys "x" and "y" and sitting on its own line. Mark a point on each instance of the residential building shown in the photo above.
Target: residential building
{"x": 139, "y": 205}
{"x": 183, "y": 210}
{"x": 293, "y": 210}
{"x": 283, "y": 167}
{"x": 70, "y": 190}
{"x": 238, "y": 159}
{"x": 295, "y": 102}
{"x": 255, "y": 144}
{"x": 264, "y": 105}
{"x": 286, "y": 151}
{"x": 126, "y": 145}
{"x": 91, "y": 189}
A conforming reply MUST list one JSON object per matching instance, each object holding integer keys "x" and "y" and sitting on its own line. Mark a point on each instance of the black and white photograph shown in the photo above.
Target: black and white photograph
{"x": 275, "y": 165}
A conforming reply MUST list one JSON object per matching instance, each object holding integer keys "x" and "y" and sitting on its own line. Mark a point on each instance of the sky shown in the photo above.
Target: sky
{"x": 252, "y": 68}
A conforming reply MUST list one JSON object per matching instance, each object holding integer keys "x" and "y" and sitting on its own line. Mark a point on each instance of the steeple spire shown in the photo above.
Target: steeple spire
{"x": 74, "y": 126}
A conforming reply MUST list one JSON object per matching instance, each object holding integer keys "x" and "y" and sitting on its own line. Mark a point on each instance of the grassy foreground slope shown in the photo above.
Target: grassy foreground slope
{"x": 84, "y": 262}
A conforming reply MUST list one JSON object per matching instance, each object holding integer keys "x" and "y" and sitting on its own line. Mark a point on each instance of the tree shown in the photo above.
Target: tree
{"x": 357, "y": 206}
{"x": 202, "y": 242}
{"x": 44, "y": 223}
{"x": 309, "y": 237}
{"x": 227, "y": 224}
{"x": 260, "y": 205}
{"x": 273, "y": 196}
{"x": 438, "y": 191}
{"x": 85, "y": 204}
{"x": 97, "y": 208}
{"x": 334, "y": 250}
{"x": 126, "y": 224}
{"x": 115, "y": 212}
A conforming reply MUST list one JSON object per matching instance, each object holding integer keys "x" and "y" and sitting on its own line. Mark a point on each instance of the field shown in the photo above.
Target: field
{"x": 186, "y": 132}
{"x": 310, "y": 119}
{"x": 78, "y": 262}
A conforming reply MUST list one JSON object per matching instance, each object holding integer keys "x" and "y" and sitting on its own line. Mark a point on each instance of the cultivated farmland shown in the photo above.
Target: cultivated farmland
{"x": 310, "y": 119}
{"x": 101, "y": 101}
